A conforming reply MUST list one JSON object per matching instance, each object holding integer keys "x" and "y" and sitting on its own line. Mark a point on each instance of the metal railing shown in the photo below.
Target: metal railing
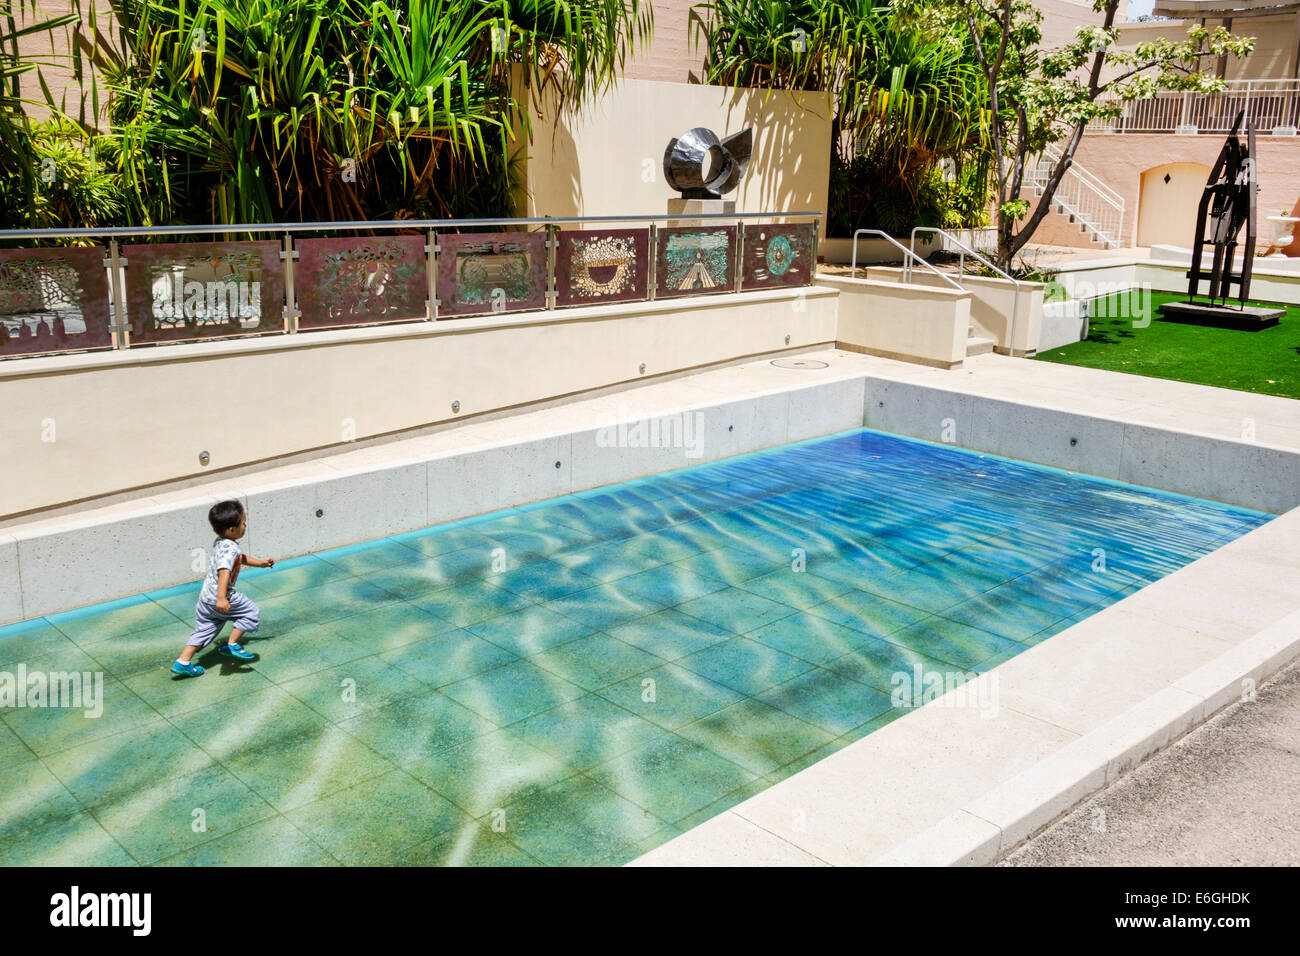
{"x": 1272, "y": 105}
{"x": 52, "y": 296}
{"x": 1080, "y": 195}
{"x": 966, "y": 250}
{"x": 908, "y": 255}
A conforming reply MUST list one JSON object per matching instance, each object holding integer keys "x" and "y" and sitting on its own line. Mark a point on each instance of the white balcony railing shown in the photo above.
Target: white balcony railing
{"x": 1273, "y": 106}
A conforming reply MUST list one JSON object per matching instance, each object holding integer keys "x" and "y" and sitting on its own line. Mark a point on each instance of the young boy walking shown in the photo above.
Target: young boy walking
{"x": 219, "y": 602}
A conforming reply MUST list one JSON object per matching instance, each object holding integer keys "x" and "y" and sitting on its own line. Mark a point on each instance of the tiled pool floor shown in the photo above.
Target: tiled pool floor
{"x": 572, "y": 682}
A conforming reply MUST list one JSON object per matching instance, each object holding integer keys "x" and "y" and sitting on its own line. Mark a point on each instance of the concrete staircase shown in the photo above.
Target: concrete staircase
{"x": 977, "y": 344}
{"x": 1083, "y": 199}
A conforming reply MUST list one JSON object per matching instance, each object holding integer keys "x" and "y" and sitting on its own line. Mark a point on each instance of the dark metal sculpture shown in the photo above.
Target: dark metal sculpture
{"x": 1229, "y": 198}
{"x": 685, "y": 157}
{"x": 1227, "y": 204}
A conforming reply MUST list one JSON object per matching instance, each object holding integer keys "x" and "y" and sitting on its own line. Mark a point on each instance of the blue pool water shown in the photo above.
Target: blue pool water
{"x": 574, "y": 681}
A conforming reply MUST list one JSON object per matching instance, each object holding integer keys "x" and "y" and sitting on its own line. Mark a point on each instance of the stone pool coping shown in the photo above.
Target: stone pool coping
{"x": 946, "y": 786}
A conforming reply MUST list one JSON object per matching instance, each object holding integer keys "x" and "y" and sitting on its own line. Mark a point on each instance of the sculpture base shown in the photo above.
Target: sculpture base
{"x": 1251, "y": 317}
{"x": 698, "y": 207}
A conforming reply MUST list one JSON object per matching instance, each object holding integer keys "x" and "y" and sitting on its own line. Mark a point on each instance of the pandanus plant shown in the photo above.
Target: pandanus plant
{"x": 275, "y": 110}
{"x": 18, "y": 158}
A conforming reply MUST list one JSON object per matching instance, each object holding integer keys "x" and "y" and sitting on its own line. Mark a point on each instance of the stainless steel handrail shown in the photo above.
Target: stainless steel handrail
{"x": 271, "y": 227}
{"x": 961, "y": 275}
{"x": 901, "y": 248}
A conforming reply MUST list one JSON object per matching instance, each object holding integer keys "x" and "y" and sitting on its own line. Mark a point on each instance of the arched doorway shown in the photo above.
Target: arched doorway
{"x": 1167, "y": 208}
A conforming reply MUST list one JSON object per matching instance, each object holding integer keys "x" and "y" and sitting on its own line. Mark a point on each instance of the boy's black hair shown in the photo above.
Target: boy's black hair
{"x": 225, "y": 515}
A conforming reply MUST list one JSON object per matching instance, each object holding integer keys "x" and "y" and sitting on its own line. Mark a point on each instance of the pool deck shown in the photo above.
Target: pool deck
{"x": 948, "y": 783}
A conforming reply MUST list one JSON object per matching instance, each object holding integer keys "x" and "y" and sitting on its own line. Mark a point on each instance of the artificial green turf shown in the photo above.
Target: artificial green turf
{"x": 1266, "y": 361}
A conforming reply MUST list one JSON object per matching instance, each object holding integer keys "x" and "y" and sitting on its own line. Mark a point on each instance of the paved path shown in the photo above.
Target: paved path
{"x": 1227, "y": 794}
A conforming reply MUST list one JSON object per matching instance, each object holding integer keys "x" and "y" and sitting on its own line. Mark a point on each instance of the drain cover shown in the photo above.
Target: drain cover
{"x": 798, "y": 363}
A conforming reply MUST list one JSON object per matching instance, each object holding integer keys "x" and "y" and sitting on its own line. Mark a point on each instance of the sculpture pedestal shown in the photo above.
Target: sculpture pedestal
{"x": 698, "y": 207}
{"x": 1250, "y": 317}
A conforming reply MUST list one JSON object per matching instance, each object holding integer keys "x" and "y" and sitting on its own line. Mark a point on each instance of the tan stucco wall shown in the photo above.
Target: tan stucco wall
{"x": 914, "y": 323}
{"x": 1119, "y": 160}
{"x": 608, "y": 160}
{"x": 122, "y": 420}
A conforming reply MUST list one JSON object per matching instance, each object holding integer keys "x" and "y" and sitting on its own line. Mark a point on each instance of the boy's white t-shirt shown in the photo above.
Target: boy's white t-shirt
{"x": 225, "y": 554}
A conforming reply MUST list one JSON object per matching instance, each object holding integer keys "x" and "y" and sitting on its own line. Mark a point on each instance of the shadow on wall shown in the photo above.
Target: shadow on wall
{"x": 784, "y": 147}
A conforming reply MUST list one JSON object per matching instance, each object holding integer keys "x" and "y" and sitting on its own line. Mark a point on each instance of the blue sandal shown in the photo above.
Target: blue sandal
{"x": 186, "y": 670}
{"x": 235, "y": 651}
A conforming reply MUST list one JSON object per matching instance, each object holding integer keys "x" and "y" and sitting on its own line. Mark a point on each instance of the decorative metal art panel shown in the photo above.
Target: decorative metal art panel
{"x": 605, "y": 265}
{"x": 360, "y": 281}
{"x": 777, "y": 256}
{"x": 53, "y": 300}
{"x": 196, "y": 290}
{"x": 491, "y": 272}
{"x": 695, "y": 260}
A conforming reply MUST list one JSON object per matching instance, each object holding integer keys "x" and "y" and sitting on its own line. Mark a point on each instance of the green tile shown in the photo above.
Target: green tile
{"x": 671, "y": 777}
{"x": 76, "y": 840}
{"x": 152, "y": 649}
{"x": 871, "y": 614}
{"x": 12, "y": 749}
{"x": 670, "y": 696}
{"x": 670, "y": 634}
{"x": 108, "y": 771}
{"x": 90, "y": 628}
{"x": 736, "y": 610}
{"x": 471, "y": 844}
{"x": 596, "y": 661}
{"x": 174, "y": 813}
{"x": 798, "y": 589}
{"x": 304, "y": 573}
{"x": 389, "y": 628}
{"x": 228, "y": 728}
{"x": 373, "y": 822}
{"x": 446, "y": 658}
{"x": 721, "y": 805}
{"x": 272, "y": 842}
{"x": 351, "y": 689}
{"x": 809, "y": 637}
{"x": 669, "y": 584}
{"x": 603, "y": 608}
{"x": 606, "y": 562}
{"x": 732, "y": 566}
{"x": 744, "y": 665}
{"x": 31, "y": 798}
{"x": 171, "y": 695}
{"x": 290, "y": 770}
{"x": 315, "y": 648}
{"x": 587, "y": 731}
{"x": 575, "y": 822}
{"x": 418, "y": 726}
{"x": 512, "y": 692}
{"x": 361, "y": 561}
{"x": 829, "y": 700}
{"x": 47, "y": 730}
{"x": 489, "y": 771}
{"x": 40, "y": 640}
{"x": 530, "y": 630}
{"x": 884, "y": 666}
{"x": 756, "y": 736}
{"x": 949, "y": 641}
{"x": 543, "y": 580}
{"x": 470, "y": 602}
{"x": 410, "y": 582}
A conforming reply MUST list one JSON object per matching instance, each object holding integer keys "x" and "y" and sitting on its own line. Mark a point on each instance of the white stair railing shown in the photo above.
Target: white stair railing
{"x": 1096, "y": 208}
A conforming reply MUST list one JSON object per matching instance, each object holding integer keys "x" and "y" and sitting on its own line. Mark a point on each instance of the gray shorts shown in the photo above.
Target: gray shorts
{"x": 209, "y": 621}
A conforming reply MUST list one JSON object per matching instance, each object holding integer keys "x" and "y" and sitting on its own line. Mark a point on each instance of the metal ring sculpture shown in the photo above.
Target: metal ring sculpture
{"x": 686, "y": 155}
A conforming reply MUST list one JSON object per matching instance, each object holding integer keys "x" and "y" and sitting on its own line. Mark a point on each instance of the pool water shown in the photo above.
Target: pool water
{"x": 575, "y": 681}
